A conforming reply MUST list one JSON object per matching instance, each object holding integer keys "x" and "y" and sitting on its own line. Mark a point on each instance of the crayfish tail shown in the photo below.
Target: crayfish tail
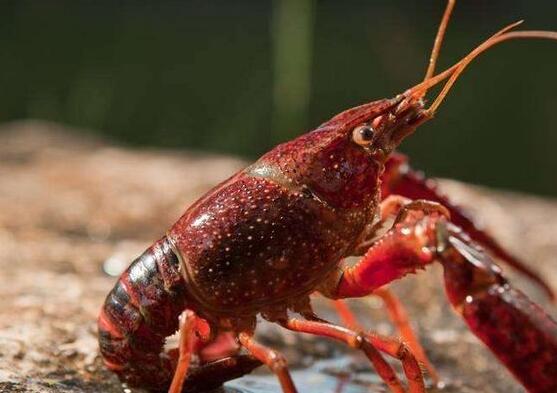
{"x": 139, "y": 313}
{"x": 519, "y": 332}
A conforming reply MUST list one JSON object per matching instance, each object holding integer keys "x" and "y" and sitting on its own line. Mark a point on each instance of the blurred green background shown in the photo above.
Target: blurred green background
{"x": 240, "y": 76}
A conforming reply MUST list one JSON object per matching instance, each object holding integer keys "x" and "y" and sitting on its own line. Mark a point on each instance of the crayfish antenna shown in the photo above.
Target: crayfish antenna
{"x": 461, "y": 65}
{"x": 420, "y": 90}
{"x": 439, "y": 39}
{"x": 452, "y": 74}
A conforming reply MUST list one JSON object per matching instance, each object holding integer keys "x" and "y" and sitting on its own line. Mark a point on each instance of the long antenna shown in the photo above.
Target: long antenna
{"x": 421, "y": 89}
{"x": 461, "y": 65}
{"x": 439, "y": 39}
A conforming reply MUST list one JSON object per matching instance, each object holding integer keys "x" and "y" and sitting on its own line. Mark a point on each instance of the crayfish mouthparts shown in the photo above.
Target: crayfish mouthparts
{"x": 400, "y": 121}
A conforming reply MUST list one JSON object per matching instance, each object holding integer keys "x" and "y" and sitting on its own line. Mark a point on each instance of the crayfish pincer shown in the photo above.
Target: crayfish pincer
{"x": 267, "y": 238}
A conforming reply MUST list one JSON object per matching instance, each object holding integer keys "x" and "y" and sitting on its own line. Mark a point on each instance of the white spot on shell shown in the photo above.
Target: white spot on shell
{"x": 201, "y": 220}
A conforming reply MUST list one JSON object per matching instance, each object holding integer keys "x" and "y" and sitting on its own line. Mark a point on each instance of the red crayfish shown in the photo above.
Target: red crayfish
{"x": 267, "y": 238}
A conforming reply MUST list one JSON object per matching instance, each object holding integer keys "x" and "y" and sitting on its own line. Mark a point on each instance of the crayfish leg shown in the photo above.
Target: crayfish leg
{"x": 186, "y": 347}
{"x": 399, "y": 317}
{"x": 515, "y": 329}
{"x": 400, "y": 179}
{"x": 365, "y": 343}
{"x": 274, "y": 360}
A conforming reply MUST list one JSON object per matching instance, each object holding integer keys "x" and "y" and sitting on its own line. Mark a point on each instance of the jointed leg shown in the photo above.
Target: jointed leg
{"x": 399, "y": 350}
{"x": 389, "y": 345}
{"x": 408, "y": 246}
{"x": 187, "y": 342}
{"x": 400, "y": 179}
{"x": 346, "y": 315}
{"x": 396, "y": 208}
{"x": 366, "y": 343}
{"x": 399, "y": 317}
{"x": 395, "y": 348}
{"x": 474, "y": 286}
{"x": 274, "y": 360}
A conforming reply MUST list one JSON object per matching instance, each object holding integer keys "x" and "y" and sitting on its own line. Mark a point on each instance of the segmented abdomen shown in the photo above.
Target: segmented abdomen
{"x": 139, "y": 313}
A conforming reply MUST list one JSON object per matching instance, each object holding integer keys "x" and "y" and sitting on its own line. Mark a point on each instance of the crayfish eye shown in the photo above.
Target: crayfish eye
{"x": 363, "y": 135}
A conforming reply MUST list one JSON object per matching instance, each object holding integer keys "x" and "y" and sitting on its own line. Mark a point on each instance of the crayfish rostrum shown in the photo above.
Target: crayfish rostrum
{"x": 267, "y": 238}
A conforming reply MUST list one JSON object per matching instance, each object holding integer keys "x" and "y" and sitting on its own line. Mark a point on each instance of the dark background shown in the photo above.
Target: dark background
{"x": 241, "y": 76}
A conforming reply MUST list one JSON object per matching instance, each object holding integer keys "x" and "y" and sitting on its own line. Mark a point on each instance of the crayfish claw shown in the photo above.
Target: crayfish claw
{"x": 519, "y": 332}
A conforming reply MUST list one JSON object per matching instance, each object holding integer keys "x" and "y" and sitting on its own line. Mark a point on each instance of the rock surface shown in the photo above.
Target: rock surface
{"x": 74, "y": 210}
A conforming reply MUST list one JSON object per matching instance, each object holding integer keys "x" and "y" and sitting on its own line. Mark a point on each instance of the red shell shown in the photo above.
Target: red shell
{"x": 275, "y": 230}
{"x": 254, "y": 242}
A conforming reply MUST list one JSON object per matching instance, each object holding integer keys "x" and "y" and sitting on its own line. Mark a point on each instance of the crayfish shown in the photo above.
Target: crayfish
{"x": 263, "y": 241}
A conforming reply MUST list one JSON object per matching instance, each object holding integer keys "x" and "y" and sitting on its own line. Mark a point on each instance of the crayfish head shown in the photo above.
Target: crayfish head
{"x": 341, "y": 161}
{"x": 383, "y": 133}
{"x": 379, "y": 127}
